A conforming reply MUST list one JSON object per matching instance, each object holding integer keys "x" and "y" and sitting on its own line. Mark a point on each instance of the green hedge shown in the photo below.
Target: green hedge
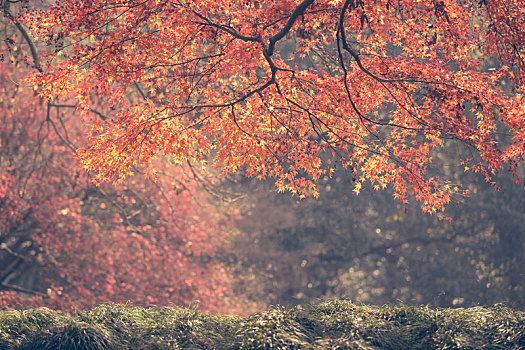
{"x": 333, "y": 324}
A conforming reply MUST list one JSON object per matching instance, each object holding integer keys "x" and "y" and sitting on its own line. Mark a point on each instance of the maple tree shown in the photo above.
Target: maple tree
{"x": 141, "y": 241}
{"x": 266, "y": 87}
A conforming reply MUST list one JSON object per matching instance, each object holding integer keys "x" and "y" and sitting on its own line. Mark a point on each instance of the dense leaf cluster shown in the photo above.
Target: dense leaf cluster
{"x": 269, "y": 86}
{"x": 65, "y": 242}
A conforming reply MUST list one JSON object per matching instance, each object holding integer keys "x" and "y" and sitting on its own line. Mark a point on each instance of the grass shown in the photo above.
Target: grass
{"x": 333, "y": 324}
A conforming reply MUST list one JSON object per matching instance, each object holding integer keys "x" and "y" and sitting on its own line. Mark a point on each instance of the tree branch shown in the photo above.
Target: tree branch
{"x": 22, "y": 289}
{"x": 22, "y": 31}
{"x": 299, "y": 10}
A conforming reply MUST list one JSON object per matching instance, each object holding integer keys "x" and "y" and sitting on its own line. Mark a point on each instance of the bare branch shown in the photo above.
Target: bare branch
{"x": 22, "y": 31}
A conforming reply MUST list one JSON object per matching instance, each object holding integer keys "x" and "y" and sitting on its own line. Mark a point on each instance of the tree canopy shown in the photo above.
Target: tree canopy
{"x": 269, "y": 86}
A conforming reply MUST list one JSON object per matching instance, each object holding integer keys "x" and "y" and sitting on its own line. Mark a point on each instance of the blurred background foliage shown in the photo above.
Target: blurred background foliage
{"x": 376, "y": 250}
